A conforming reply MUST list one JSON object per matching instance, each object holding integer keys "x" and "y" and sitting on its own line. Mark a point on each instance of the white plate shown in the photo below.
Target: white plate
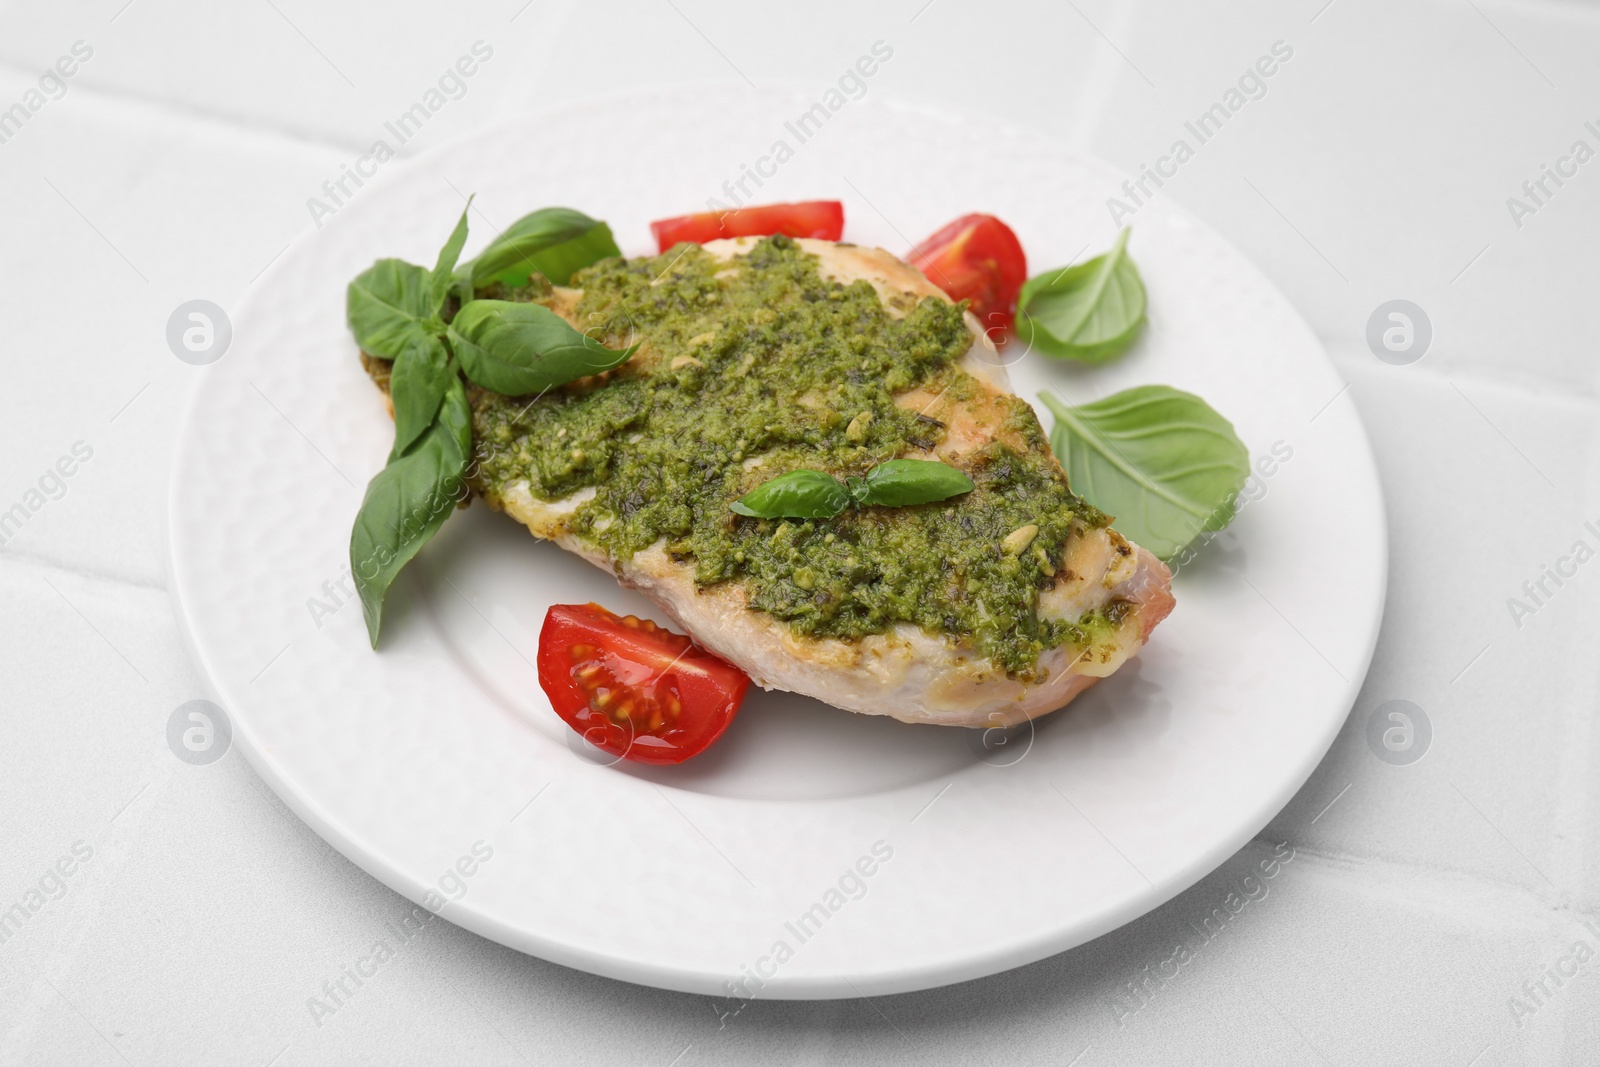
{"x": 408, "y": 758}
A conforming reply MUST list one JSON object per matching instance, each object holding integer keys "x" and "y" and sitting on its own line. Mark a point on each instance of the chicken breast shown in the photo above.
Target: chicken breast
{"x": 1080, "y": 605}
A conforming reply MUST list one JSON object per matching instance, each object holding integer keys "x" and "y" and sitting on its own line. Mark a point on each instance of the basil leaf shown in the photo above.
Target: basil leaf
{"x": 407, "y": 502}
{"x": 417, "y": 385}
{"x": 1159, "y": 459}
{"x": 516, "y": 348}
{"x": 799, "y": 494}
{"x": 444, "y": 270}
{"x": 1089, "y": 312}
{"x": 554, "y": 242}
{"x": 808, "y": 494}
{"x": 900, "y": 482}
{"x": 385, "y": 306}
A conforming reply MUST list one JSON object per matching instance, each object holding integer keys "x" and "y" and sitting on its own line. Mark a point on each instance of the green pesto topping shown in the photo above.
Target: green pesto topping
{"x": 756, "y": 366}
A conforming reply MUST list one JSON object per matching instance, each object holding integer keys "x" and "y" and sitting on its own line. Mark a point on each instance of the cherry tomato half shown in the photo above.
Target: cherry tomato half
{"x": 976, "y": 258}
{"x": 635, "y": 689}
{"x": 823, "y": 219}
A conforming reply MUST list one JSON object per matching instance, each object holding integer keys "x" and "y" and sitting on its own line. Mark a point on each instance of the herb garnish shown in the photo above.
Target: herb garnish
{"x": 1159, "y": 459}
{"x": 518, "y": 348}
{"x": 808, "y": 494}
{"x": 554, "y": 242}
{"x": 1089, "y": 312}
{"x": 397, "y": 312}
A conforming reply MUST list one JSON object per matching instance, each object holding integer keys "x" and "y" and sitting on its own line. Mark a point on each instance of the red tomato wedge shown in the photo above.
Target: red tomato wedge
{"x": 976, "y": 258}
{"x": 823, "y": 219}
{"x": 635, "y": 689}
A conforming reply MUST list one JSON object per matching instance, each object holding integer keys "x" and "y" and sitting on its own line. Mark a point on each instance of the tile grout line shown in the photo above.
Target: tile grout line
{"x": 239, "y": 124}
{"x": 1347, "y": 354}
{"x": 32, "y": 561}
{"x": 1448, "y": 880}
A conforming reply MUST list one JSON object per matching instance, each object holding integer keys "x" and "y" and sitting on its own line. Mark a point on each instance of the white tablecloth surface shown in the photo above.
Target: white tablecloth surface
{"x": 1433, "y": 912}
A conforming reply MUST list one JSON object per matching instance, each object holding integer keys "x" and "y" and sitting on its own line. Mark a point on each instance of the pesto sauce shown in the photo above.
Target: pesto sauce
{"x": 771, "y": 360}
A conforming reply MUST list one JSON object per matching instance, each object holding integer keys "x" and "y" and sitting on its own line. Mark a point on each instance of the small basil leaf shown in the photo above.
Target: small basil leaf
{"x": 900, "y": 482}
{"x": 799, "y": 494}
{"x": 554, "y": 242}
{"x": 416, "y": 387}
{"x": 516, "y": 349}
{"x": 1161, "y": 460}
{"x": 1089, "y": 312}
{"x": 444, "y": 270}
{"x": 407, "y": 502}
{"x": 385, "y": 306}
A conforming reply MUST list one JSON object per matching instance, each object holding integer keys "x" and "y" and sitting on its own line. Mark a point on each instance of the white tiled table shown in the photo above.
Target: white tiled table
{"x": 1378, "y": 164}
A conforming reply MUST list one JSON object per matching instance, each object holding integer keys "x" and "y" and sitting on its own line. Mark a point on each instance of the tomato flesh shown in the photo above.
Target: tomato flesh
{"x": 977, "y": 258}
{"x": 823, "y": 219}
{"x": 633, "y": 688}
